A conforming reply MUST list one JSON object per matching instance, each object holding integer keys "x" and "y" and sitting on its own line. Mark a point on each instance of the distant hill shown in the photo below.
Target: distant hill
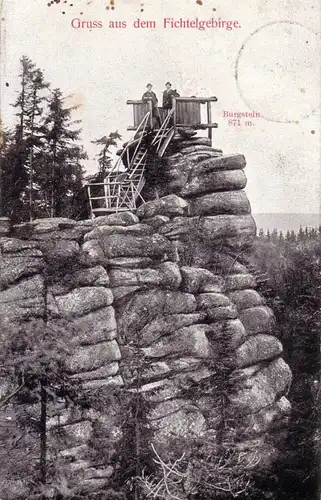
{"x": 283, "y": 221}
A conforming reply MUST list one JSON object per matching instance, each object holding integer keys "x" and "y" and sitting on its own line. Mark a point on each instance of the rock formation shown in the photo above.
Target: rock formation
{"x": 158, "y": 300}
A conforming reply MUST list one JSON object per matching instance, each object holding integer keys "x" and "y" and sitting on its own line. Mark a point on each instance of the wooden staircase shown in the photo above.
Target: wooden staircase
{"x": 123, "y": 185}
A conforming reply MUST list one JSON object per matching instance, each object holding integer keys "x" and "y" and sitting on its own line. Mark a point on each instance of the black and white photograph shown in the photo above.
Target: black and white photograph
{"x": 160, "y": 250}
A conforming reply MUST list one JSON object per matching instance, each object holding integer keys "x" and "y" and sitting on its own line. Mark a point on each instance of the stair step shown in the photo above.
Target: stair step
{"x": 108, "y": 209}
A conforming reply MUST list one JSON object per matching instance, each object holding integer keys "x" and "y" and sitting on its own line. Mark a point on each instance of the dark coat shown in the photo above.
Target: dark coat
{"x": 150, "y": 95}
{"x": 167, "y": 98}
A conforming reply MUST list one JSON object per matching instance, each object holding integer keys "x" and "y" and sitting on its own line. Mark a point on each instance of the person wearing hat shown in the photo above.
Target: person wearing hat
{"x": 168, "y": 94}
{"x": 149, "y": 94}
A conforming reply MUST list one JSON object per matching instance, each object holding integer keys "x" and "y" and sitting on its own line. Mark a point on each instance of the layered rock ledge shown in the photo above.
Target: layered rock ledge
{"x": 164, "y": 285}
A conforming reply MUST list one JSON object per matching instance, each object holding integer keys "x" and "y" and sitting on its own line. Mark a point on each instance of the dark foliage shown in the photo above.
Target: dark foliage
{"x": 103, "y": 157}
{"x": 41, "y": 159}
{"x": 293, "y": 267}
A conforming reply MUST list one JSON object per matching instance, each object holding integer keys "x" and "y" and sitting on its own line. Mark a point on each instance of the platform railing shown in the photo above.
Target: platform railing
{"x": 124, "y": 197}
{"x": 186, "y": 114}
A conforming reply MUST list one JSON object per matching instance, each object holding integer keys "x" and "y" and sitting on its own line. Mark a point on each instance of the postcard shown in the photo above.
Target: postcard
{"x": 160, "y": 245}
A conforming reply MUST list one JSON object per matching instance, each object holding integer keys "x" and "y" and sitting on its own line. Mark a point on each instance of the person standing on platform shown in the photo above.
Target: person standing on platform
{"x": 168, "y": 94}
{"x": 150, "y": 95}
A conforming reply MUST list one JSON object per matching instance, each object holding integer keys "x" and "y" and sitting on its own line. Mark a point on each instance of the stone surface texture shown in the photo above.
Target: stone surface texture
{"x": 164, "y": 285}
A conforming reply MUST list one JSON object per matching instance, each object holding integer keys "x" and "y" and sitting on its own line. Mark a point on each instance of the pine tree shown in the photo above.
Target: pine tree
{"x": 14, "y": 150}
{"x": 7, "y": 172}
{"x": 281, "y": 238}
{"x": 33, "y": 360}
{"x": 274, "y": 236}
{"x": 293, "y": 236}
{"x": 104, "y": 158}
{"x": 313, "y": 233}
{"x": 59, "y": 174}
{"x": 301, "y": 234}
{"x": 34, "y": 128}
{"x": 41, "y": 161}
{"x": 28, "y": 135}
{"x": 295, "y": 279}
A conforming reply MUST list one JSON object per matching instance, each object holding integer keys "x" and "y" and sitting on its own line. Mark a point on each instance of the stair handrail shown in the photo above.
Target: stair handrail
{"x": 128, "y": 184}
{"x": 134, "y": 170}
{"x": 125, "y": 151}
{"x": 142, "y": 125}
{"x": 162, "y": 129}
{"x": 164, "y": 145}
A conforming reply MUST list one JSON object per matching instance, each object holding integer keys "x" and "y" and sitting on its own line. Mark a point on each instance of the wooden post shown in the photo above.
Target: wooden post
{"x": 174, "y": 113}
{"x": 90, "y": 201}
{"x": 209, "y": 119}
{"x": 150, "y": 105}
{"x": 106, "y": 192}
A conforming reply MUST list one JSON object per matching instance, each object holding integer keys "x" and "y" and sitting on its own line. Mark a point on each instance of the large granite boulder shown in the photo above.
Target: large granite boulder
{"x": 162, "y": 310}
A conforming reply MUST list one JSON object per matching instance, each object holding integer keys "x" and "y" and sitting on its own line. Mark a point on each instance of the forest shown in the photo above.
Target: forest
{"x": 42, "y": 175}
{"x": 290, "y": 279}
{"x": 41, "y": 157}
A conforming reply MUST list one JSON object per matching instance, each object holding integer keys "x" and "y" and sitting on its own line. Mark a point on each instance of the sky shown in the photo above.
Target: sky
{"x": 270, "y": 65}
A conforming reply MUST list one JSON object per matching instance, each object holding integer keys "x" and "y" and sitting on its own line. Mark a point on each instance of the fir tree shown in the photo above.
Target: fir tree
{"x": 281, "y": 238}
{"x": 10, "y": 187}
{"x": 34, "y": 361}
{"x": 60, "y": 173}
{"x": 34, "y": 128}
{"x": 293, "y": 236}
{"x": 29, "y": 105}
{"x": 274, "y": 236}
{"x": 294, "y": 277}
{"x": 301, "y": 234}
{"x": 104, "y": 158}
{"x": 313, "y": 233}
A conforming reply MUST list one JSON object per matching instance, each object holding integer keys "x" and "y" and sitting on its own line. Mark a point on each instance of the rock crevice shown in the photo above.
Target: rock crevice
{"x": 164, "y": 286}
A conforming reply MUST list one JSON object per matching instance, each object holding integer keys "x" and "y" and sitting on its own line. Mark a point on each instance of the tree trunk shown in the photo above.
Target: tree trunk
{"x": 138, "y": 436}
{"x": 53, "y": 176}
{"x": 32, "y": 131}
{"x": 43, "y": 430}
{"x": 30, "y": 185}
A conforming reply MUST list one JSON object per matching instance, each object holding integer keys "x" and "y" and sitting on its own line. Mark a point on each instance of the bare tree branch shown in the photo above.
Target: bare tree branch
{"x": 14, "y": 393}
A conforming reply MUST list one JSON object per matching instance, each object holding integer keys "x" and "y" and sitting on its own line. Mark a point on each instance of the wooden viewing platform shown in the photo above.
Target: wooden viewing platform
{"x": 186, "y": 113}
{"x": 123, "y": 184}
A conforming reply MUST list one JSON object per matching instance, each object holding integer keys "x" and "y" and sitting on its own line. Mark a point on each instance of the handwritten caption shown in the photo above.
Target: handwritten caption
{"x": 166, "y": 23}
